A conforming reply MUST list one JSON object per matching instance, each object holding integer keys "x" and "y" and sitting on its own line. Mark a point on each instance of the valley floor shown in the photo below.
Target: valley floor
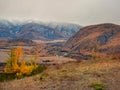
{"x": 71, "y": 76}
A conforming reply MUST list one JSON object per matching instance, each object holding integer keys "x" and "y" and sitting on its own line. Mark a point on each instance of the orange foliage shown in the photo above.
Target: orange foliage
{"x": 18, "y": 53}
{"x": 18, "y": 66}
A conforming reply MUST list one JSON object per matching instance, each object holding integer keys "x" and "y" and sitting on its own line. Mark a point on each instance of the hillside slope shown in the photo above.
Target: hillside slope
{"x": 105, "y": 36}
{"x": 72, "y": 76}
{"x": 16, "y": 42}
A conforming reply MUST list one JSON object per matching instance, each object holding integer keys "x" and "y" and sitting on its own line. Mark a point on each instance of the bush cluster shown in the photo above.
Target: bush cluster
{"x": 17, "y": 67}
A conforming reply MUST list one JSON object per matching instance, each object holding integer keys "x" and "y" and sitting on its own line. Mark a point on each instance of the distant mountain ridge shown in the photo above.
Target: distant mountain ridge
{"x": 67, "y": 28}
{"x": 37, "y": 30}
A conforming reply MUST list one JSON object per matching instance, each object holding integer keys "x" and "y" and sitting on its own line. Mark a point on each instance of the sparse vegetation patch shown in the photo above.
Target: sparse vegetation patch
{"x": 97, "y": 86}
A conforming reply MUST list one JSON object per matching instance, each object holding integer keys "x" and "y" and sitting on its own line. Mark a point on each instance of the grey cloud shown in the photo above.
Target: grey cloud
{"x": 83, "y": 12}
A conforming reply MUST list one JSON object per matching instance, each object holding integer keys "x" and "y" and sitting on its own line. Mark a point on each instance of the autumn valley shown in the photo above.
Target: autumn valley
{"x": 87, "y": 58}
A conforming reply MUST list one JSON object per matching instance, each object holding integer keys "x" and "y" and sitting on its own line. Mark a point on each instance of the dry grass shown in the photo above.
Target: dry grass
{"x": 72, "y": 76}
{"x": 3, "y": 56}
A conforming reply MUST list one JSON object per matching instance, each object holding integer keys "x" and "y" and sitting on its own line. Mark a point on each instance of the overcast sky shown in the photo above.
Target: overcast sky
{"x": 83, "y": 12}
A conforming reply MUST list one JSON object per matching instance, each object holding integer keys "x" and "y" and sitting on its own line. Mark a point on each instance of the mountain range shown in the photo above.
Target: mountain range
{"x": 37, "y": 30}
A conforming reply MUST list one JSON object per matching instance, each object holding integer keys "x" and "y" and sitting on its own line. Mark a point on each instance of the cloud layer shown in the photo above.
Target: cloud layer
{"x": 83, "y": 12}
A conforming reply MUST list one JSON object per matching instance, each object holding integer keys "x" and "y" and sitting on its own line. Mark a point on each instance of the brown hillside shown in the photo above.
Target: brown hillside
{"x": 17, "y": 41}
{"x": 106, "y": 36}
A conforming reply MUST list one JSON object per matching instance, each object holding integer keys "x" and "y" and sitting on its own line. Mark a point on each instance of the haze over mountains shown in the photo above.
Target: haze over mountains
{"x": 37, "y": 30}
{"x": 105, "y": 36}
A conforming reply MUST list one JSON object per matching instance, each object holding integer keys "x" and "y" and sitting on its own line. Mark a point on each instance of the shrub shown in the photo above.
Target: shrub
{"x": 7, "y": 76}
{"x": 11, "y": 76}
{"x": 18, "y": 67}
{"x": 38, "y": 70}
{"x": 97, "y": 86}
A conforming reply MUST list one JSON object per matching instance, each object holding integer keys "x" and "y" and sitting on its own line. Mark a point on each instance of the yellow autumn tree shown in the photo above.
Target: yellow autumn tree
{"x": 18, "y": 53}
{"x": 16, "y": 64}
{"x": 12, "y": 64}
{"x": 95, "y": 50}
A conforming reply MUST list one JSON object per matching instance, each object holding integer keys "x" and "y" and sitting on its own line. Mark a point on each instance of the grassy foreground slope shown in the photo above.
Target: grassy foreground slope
{"x": 72, "y": 76}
